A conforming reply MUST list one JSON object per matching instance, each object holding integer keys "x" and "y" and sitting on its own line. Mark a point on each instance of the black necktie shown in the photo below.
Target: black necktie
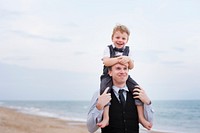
{"x": 119, "y": 49}
{"x": 121, "y": 97}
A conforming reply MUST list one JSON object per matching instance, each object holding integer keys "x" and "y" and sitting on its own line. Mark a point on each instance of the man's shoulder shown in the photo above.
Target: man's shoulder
{"x": 96, "y": 93}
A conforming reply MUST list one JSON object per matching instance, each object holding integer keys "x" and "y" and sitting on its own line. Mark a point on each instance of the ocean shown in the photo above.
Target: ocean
{"x": 176, "y": 116}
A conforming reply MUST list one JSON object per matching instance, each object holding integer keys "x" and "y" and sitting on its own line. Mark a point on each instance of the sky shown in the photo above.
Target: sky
{"x": 52, "y": 49}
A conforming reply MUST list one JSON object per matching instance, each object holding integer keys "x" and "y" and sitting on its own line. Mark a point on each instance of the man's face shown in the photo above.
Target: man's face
{"x": 119, "y": 73}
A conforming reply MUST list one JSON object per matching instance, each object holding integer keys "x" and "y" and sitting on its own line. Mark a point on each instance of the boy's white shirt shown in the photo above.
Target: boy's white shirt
{"x": 106, "y": 52}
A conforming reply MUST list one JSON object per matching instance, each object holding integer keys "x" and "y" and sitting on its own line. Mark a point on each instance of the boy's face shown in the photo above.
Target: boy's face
{"x": 120, "y": 39}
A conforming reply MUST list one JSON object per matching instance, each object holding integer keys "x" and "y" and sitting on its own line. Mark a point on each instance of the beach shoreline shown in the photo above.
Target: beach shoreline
{"x": 12, "y": 121}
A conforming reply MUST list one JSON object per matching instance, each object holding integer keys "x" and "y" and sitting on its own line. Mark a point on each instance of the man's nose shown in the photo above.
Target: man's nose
{"x": 122, "y": 71}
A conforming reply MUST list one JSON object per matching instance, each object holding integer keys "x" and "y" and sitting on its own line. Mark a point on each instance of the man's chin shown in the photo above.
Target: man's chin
{"x": 122, "y": 81}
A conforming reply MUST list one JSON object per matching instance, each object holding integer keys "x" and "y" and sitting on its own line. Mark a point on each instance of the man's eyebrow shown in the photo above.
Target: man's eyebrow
{"x": 118, "y": 68}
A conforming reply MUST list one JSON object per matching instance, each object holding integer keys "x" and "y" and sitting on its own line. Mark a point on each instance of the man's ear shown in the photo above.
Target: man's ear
{"x": 110, "y": 73}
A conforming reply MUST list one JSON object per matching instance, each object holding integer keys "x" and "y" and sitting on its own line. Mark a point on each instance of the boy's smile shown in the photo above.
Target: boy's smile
{"x": 120, "y": 39}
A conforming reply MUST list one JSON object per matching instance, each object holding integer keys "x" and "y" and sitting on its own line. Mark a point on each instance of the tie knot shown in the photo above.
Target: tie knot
{"x": 121, "y": 91}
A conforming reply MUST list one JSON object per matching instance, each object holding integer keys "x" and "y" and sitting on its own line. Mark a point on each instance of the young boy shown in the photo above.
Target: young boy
{"x": 118, "y": 52}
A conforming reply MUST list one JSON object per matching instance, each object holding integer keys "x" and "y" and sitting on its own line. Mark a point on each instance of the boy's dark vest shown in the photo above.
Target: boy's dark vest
{"x": 112, "y": 55}
{"x": 122, "y": 120}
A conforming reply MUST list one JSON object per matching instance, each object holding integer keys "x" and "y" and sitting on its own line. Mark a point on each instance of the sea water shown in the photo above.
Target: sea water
{"x": 181, "y": 116}
{"x": 178, "y": 116}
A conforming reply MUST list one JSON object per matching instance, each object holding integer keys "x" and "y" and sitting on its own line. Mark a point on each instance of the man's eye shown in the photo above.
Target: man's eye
{"x": 118, "y": 68}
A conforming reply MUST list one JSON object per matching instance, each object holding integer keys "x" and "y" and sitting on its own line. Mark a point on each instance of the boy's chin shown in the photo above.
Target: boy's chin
{"x": 121, "y": 46}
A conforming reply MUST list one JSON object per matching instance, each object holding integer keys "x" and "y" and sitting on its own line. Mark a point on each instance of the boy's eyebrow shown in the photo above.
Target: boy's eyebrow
{"x": 125, "y": 67}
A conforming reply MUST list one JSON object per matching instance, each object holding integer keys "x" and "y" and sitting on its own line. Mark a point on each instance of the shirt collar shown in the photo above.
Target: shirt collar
{"x": 113, "y": 45}
{"x": 116, "y": 89}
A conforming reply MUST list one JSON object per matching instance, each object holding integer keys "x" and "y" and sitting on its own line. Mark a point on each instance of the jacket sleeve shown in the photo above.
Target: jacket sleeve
{"x": 148, "y": 113}
{"x": 94, "y": 115}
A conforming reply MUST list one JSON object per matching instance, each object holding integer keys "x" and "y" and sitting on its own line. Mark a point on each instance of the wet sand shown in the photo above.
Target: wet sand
{"x": 12, "y": 121}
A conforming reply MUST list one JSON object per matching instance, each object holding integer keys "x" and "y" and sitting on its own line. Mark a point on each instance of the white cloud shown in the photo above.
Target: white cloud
{"x": 16, "y": 5}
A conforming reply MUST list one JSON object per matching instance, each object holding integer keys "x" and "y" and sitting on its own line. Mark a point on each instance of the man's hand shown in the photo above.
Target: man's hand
{"x": 103, "y": 99}
{"x": 141, "y": 94}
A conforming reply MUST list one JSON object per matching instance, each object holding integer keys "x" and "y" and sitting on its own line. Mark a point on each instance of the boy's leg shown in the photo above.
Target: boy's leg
{"x": 131, "y": 84}
{"x": 142, "y": 120}
{"x": 105, "y": 82}
{"x": 105, "y": 120}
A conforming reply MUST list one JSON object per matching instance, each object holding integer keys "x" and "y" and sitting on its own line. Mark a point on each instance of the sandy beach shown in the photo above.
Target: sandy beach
{"x": 12, "y": 121}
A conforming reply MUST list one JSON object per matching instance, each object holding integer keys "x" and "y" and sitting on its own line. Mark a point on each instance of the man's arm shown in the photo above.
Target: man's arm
{"x": 94, "y": 115}
{"x": 148, "y": 110}
{"x": 96, "y": 109}
{"x": 148, "y": 113}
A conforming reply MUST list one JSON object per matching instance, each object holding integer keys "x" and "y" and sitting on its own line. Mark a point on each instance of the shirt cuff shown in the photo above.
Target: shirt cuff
{"x": 98, "y": 115}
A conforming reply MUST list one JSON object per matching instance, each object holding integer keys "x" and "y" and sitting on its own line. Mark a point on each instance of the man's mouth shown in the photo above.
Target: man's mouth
{"x": 122, "y": 76}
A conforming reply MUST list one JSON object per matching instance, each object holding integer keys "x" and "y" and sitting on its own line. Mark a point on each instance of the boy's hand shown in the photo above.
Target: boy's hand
{"x": 124, "y": 59}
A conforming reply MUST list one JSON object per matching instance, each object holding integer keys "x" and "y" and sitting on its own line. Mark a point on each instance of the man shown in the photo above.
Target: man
{"x": 123, "y": 116}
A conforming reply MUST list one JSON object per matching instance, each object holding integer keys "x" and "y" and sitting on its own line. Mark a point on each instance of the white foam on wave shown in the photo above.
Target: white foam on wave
{"x": 39, "y": 112}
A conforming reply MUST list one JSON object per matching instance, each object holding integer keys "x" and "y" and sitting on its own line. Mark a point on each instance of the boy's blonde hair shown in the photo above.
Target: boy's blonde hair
{"x": 120, "y": 28}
